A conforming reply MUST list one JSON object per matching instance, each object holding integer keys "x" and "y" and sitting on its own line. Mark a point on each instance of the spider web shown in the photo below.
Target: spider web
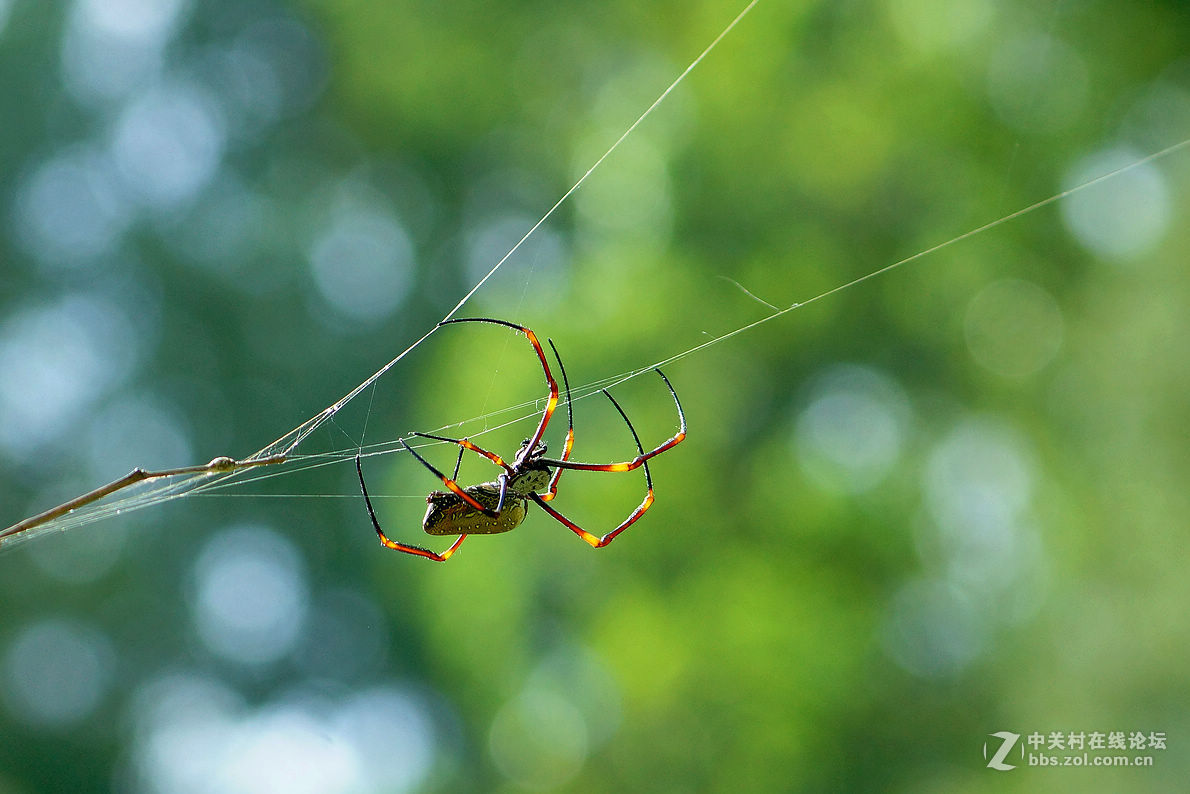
{"x": 289, "y": 446}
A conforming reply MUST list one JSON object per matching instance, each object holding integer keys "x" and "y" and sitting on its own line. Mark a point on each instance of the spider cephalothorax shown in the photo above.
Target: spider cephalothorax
{"x": 501, "y": 505}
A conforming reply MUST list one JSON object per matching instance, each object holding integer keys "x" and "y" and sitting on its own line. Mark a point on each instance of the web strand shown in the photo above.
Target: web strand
{"x": 913, "y": 258}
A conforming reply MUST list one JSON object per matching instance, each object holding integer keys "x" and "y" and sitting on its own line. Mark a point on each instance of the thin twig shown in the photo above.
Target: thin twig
{"x": 220, "y": 465}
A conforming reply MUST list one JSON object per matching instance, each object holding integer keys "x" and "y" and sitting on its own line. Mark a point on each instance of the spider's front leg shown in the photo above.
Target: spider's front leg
{"x": 553, "y": 488}
{"x": 552, "y": 400}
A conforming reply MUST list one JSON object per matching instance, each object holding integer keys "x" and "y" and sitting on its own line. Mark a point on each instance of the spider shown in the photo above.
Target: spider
{"x": 501, "y": 505}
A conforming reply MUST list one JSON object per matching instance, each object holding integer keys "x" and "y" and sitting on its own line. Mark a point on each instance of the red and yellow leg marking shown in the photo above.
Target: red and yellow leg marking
{"x": 640, "y": 459}
{"x": 392, "y": 544}
{"x": 451, "y": 484}
{"x": 595, "y": 541}
{"x": 553, "y": 489}
{"x": 418, "y": 550}
{"x": 467, "y": 444}
{"x": 552, "y": 403}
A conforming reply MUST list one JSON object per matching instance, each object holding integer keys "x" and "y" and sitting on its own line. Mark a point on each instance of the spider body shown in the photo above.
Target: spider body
{"x": 448, "y": 514}
{"x": 501, "y": 505}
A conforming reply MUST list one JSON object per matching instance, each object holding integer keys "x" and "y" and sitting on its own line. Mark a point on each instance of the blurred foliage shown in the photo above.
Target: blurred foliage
{"x": 941, "y": 503}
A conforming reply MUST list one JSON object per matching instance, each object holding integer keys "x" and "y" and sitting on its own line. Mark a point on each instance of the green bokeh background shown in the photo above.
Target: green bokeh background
{"x": 942, "y": 503}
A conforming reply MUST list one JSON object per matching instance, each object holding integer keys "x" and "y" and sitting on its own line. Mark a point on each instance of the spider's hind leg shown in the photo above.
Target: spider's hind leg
{"x": 395, "y": 545}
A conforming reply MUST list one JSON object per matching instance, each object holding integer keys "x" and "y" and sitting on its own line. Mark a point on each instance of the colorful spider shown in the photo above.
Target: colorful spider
{"x": 501, "y": 505}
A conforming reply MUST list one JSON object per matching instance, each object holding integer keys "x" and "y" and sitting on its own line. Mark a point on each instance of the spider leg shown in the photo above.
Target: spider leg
{"x": 596, "y": 541}
{"x": 553, "y": 489}
{"x": 552, "y": 402}
{"x": 640, "y": 459}
{"x": 458, "y": 463}
{"x": 503, "y": 480}
{"x": 467, "y": 444}
{"x": 492, "y": 456}
{"x": 392, "y": 544}
{"x": 450, "y": 483}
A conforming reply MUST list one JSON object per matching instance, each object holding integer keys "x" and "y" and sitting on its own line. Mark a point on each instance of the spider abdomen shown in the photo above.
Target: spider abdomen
{"x": 448, "y": 514}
